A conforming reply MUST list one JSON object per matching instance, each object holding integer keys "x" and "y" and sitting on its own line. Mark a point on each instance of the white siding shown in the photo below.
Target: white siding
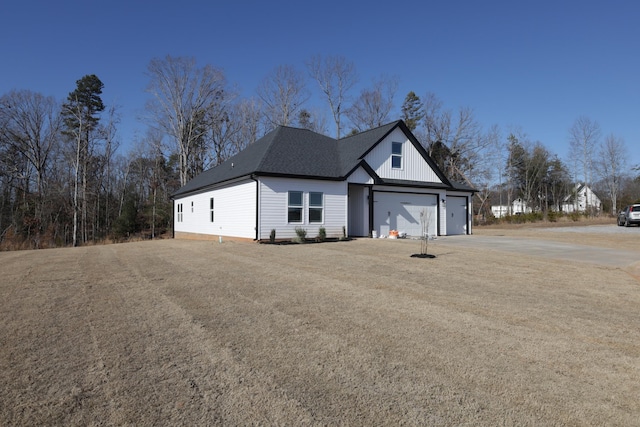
{"x": 234, "y": 209}
{"x": 273, "y": 207}
{"x": 414, "y": 166}
{"x": 360, "y": 176}
{"x": 358, "y": 210}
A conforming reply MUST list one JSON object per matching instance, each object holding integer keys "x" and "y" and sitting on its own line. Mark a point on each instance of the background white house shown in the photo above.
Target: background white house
{"x": 365, "y": 184}
{"x": 582, "y": 199}
{"x": 518, "y": 206}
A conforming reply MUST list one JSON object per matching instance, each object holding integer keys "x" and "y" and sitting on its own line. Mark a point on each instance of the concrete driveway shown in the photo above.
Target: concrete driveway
{"x": 551, "y": 249}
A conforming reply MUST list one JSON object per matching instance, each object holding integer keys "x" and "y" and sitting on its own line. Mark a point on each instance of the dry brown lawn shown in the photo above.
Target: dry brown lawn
{"x": 349, "y": 333}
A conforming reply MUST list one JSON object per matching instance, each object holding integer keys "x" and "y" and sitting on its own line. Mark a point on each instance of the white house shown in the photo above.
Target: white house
{"x": 367, "y": 184}
{"x": 581, "y": 199}
{"x": 518, "y": 206}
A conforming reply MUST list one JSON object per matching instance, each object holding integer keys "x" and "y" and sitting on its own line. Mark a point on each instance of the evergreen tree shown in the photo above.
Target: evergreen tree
{"x": 412, "y": 111}
{"x": 83, "y": 105}
{"x": 80, "y": 115}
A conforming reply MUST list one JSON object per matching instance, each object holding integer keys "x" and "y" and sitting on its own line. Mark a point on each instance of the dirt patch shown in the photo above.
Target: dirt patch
{"x": 201, "y": 333}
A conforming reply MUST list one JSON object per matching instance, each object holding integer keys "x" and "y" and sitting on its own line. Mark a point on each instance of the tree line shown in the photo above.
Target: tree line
{"x": 65, "y": 181}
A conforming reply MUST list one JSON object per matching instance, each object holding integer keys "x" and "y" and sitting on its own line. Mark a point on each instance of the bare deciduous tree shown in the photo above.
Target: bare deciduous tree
{"x": 312, "y": 120}
{"x": 336, "y": 77}
{"x": 584, "y": 138}
{"x": 31, "y": 123}
{"x": 611, "y": 167}
{"x": 182, "y": 95}
{"x": 371, "y": 109}
{"x": 483, "y": 173}
{"x": 247, "y": 113}
{"x": 283, "y": 93}
{"x": 455, "y": 141}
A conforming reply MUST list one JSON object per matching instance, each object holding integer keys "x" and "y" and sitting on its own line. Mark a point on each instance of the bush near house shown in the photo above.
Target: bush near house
{"x": 301, "y": 235}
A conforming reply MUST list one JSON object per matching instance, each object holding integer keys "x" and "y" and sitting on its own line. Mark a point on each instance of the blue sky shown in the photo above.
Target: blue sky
{"x": 536, "y": 65}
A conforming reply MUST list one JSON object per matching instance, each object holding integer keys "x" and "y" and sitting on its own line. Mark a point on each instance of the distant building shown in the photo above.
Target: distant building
{"x": 581, "y": 199}
{"x": 518, "y": 206}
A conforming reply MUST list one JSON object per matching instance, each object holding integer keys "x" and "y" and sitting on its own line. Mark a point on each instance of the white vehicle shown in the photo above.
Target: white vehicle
{"x": 629, "y": 215}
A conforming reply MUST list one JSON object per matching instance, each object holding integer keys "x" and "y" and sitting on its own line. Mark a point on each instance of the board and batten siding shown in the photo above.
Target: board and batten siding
{"x": 273, "y": 196}
{"x": 360, "y": 176}
{"x": 234, "y": 211}
{"x": 414, "y": 166}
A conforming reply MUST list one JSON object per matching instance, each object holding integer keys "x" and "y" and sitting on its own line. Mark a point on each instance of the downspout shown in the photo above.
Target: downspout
{"x": 173, "y": 218}
{"x": 370, "y": 200}
{"x": 469, "y": 214}
{"x": 439, "y": 214}
{"x": 257, "y": 206}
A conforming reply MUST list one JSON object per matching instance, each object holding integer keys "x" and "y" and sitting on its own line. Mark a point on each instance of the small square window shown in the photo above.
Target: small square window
{"x": 396, "y": 162}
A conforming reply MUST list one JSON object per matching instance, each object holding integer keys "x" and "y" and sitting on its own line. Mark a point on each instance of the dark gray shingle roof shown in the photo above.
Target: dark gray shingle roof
{"x": 301, "y": 153}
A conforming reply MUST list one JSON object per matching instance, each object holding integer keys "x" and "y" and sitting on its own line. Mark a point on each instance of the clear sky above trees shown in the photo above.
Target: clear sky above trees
{"x": 538, "y": 65}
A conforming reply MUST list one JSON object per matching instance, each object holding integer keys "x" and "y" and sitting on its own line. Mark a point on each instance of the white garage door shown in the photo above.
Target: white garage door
{"x": 456, "y": 215}
{"x": 401, "y": 212}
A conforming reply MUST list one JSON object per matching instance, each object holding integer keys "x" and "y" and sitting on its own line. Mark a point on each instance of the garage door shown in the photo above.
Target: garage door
{"x": 401, "y": 211}
{"x": 456, "y": 215}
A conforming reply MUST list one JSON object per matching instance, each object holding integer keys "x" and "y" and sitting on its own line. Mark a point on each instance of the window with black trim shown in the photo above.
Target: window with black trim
{"x": 294, "y": 207}
{"x": 316, "y": 207}
{"x": 211, "y": 208}
{"x": 179, "y": 212}
{"x": 396, "y": 155}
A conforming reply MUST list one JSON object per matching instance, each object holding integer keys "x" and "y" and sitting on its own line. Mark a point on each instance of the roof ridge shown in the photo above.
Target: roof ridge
{"x": 377, "y": 128}
{"x": 274, "y": 134}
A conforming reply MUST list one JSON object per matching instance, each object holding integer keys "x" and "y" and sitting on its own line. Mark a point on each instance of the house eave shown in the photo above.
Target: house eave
{"x": 213, "y": 186}
{"x": 422, "y": 184}
{"x": 209, "y": 187}
{"x": 299, "y": 176}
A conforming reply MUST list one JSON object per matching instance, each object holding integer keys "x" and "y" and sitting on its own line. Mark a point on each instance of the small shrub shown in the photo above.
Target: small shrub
{"x": 322, "y": 234}
{"x": 534, "y": 217}
{"x": 272, "y": 236}
{"x": 485, "y": 220}
{"x": 575, "y": 216}
{"x": 301, "y": 235}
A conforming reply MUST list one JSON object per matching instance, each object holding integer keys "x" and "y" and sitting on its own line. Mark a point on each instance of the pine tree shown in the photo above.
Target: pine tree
{"x": 412, "y": 111}
{"x": 80, "y": 114}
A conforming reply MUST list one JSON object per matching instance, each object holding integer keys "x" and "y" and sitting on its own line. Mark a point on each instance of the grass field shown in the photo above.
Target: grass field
{"x": 358, "y": 333}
